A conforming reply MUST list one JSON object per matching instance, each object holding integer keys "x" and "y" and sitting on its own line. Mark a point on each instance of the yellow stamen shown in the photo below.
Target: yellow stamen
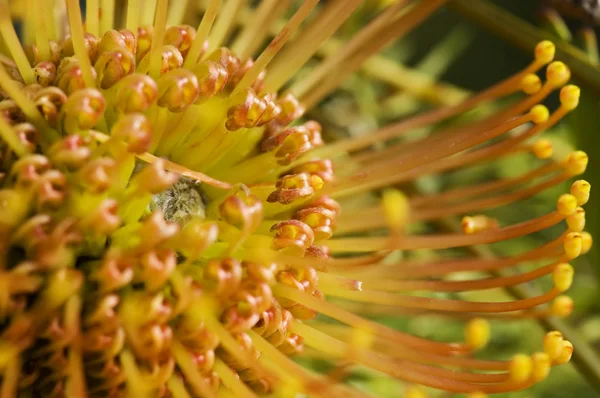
{"x": 202, "y": 33}
{"x": 276, "y": 44}
{"x": 133, "y": 15}
{"x": 77, "y": 34}
{"x": 157, "y": 39}
{"x": 14, "y": 46}
{"x": 92, "y": 15}
{"x": 107, "y": 17}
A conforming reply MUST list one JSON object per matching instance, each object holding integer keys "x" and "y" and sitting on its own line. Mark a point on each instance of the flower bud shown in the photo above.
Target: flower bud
{"x": 293, "y": 235}
{"x": 135, "y": 131}
{"x": 155, "y": 268}
{"x": 112, "y": 66}
{"x": 180, "y": 37}
{"x": 83, "y": 110}
{"x": 295, "y": 186}
{"x": 91, "y": 45}
{"x": 97, "y": 175}
{"x": 212, "y": 78}
{"x": 144, "y": 41}
{"x": 45, "y": 73}
{"x": 71, "y": 152}
{"x": 177, "y": 90}
{"x": 49, "y": 101}
{"x": 103, "y": 220}
{"x": 135, "y": 93}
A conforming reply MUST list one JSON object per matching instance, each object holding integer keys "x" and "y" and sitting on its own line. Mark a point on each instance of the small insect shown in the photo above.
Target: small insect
{"x": 587, "y": 11}
{"x": 180, "y": 203}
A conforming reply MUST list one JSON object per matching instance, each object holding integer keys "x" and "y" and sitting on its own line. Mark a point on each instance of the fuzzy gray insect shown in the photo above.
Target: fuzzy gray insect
{"x": 181, "y": 202}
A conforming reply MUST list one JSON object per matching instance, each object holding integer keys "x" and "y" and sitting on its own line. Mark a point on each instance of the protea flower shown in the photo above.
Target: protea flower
{"x": 171, "y": 225}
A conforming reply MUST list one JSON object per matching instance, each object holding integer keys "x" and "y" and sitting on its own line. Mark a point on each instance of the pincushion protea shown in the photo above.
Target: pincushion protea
{"x": 170, "y": 226}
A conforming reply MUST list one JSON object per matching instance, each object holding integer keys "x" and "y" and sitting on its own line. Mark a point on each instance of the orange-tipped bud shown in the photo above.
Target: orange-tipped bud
{"x": 539, "y": 114}
{"x": 396, "y": 209}
{"x": 531, "y": 84}
{"x": 576, "y": 221}
{"x": 544, "y": 52}
{"x": 478, "y": 223}
{"x": 477, "y": 333}
{"x": 562, "y": 276}
{"x": 542, "y": 149}
{"x": 414, "y": 392}
{"x": 573, "y": 245}
{"x": 477, "y": 395}
{"x": 562, "y": 306}
{"x": 553, "y": 344}
{"x": 565, "y": 353}
{"x": 541, "y": 366}
{"x": 520, "y": 368}
{"x": 569, "y": 97}
{"x": 576, "y": 162}
{"x": 567, "y": 205}
{"x": 558, "y": 74}
{"x": 586, "y": 242}
{"x": 581, "y": 190}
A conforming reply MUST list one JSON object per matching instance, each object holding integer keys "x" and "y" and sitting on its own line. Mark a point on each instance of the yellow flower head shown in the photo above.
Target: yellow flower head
{"x": 171, "y": 224}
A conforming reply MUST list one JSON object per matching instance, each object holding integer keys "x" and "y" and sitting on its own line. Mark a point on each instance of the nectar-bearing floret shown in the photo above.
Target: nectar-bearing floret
{"x": 171, "y": 225}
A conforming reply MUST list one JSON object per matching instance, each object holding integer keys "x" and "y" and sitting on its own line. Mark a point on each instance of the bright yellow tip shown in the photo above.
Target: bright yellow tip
{"x": 414, "y": 392}
{"x": 558, "y": 74}
{"x": 553, "y": 344}
{"x": 576, "y": 162}
{"x": 576, "y": 221}
{"x": 562, "y": 306}
{"x": 520, "y": 368}
{"x": 539, "y": 114}
{"x": 542, "y": 149}
{"x": 362, "y": 338}
{"x": 477, "y": 333}
{"x": 573, "y": 245}
{"x": 544, "y": 52}
{"x": 478, "y": 223}
{"x": 563, "y": 276}
{"x": 581, "y": 190}
{"x": 567, "y": 205}
{"x": 541, "y": 365}
{"x": 586, "y": 242}
{"x": 396, "y": 208}
{"x": 565, "y": 354}
{"x": 477, "y": 395}
{"x": 531, "y": 84}
{"x": 569, "y": 97}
